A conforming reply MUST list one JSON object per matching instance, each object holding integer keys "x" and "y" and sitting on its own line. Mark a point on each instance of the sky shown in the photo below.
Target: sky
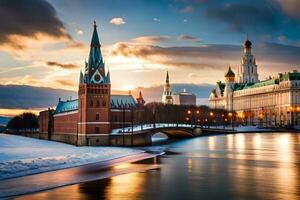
{"x": 45, "y": 43}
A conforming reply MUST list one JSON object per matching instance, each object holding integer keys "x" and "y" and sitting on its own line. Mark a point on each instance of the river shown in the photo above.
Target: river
{"x": 234, "y": 166}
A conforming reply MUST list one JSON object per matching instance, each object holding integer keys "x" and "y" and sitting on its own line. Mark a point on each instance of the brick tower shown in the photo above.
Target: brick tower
{"x": 94, "y": 94}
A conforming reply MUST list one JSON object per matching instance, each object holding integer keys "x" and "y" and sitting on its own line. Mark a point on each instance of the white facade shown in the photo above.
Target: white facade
{"x": 247, "y": 71}
{"x": 272, "y": 102}
{"x": 184, "y": 98}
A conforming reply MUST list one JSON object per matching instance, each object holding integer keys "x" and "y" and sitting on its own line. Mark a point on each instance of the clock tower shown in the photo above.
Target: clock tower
{"x": 94, "y": 93}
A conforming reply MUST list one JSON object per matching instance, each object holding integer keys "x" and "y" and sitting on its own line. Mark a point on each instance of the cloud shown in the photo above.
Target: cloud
{"x": 244, "y": 18}
{"x": 80, "y": 32}
{"x": 187, "y": 9}
{"x": 151, "y": 39}
{"x": 156, "y": 19}
{"x": 271, "y": 58}
{"x": 117, "y": 21}
{"x": 290, "y": 7}
{"x": 153, "y": 93}
{"x": 31, "y": 97}
{"x": 67, "y": 83}
{"x": 194, "y": 75}
{"x": 61, "y": 65}
{"x": 76, "y": 28}
{"x": 29, "y": 18}
{"x": 188, "y": 38}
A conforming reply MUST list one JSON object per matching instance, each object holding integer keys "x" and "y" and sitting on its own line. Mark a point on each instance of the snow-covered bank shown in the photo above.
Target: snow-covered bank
{"x": 21, "y": 156}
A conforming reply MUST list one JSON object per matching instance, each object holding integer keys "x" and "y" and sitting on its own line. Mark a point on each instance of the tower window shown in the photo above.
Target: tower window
{"x": 97, "y": 130}
{"x": 98, "y": 103}
{"x": 97, "y": 116}
{"x": 103, "y": 103}
{"x": 91, "y": 103}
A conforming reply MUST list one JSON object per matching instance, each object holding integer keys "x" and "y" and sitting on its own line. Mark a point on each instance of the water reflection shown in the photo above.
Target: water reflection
{"x": 241, "y": 166}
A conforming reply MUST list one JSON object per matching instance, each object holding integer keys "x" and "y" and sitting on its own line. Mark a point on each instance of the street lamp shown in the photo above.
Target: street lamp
{"x": 230, "y": 115}
{"x": 291, "y": 109}
{"x": 187, "y": 119}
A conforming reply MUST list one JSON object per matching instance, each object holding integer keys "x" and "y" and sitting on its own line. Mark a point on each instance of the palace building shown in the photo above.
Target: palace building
{"x": 272, "y": 102}
{"x": 89, "y": 119}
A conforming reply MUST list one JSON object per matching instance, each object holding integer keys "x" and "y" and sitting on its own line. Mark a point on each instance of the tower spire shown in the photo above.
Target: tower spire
{"x": 95, "y": 60}
{"x": 167, "y": 78}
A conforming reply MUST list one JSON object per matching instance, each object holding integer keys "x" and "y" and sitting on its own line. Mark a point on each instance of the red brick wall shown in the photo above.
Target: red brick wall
{"x": 94, "y": 99}
{"x": 65, "y": 123}
{"x": 45, "y": 119}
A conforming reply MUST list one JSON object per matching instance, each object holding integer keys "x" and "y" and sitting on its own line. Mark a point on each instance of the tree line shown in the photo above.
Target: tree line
{"x": 156, "y": 112}
{"x": 24, "y": 122}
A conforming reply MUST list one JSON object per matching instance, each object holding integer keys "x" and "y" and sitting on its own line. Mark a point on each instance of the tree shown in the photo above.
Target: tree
{"x": 25, "y": 121}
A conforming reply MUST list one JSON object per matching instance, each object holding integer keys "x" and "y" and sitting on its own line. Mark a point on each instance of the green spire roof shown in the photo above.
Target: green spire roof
{"x": 95, "y": 57}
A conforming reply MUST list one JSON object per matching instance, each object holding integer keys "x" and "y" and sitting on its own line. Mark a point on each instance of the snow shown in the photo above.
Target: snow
{"x": 161, "y": 125}
{"x": 21, "y": 156}
{"x": 146, "y": 126}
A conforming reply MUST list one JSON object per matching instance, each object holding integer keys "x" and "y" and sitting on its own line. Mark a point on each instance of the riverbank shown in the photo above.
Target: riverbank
{"x": 75, "y": 175}
{"x": 20, "y": 156}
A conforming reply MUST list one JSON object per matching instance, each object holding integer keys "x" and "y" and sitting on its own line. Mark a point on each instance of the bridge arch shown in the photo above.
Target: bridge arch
{"x": 176, "y": 132}
{"x": 159, "y": 137}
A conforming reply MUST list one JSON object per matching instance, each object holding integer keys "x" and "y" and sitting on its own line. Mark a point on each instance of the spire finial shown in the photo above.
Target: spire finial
{"x": 167, "y": 78}
{"x": 95, "y": 24}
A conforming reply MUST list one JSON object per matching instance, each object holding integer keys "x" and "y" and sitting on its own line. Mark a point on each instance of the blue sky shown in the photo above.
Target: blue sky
{"x": 212, "y": 21}
{"x": 45, "y": 44}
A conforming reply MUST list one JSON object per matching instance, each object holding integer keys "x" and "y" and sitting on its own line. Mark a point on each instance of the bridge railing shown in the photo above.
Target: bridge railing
{"x": 139, "y": 128}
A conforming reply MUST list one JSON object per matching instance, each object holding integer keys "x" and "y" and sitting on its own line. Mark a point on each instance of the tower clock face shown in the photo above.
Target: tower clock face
{"x": 97, "y": 77}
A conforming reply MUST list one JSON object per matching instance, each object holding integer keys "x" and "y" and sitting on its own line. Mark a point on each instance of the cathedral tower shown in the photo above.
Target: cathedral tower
{"x": 247, "y": 71}
{"x": 229, "y": 88}
{"x": 94, "y": 93}
{"x": 167, "y": 97}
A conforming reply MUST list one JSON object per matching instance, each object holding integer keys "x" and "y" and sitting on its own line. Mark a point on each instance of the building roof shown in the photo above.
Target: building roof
{"x": 122, "y": 101}
{"x": 117, "y": 102}
{"x": 185, "y": 93}
{"x": 295, "y": 75}
{"x": 261, "y": 83}
{"x": 66, "y": 106}
{"x": 247, "y": 44}
{"x": 243, "y": 86}
{"x": 229, "y": 73}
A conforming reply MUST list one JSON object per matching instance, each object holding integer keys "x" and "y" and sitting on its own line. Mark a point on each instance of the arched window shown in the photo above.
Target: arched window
{"x": 91, "y": 103}
{"x": 97, "y": 117}
{"x": 103, "y": 103}
{"x": 98, "y": 103}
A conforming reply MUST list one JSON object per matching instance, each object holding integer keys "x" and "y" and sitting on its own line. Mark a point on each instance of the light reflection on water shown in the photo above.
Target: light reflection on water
{"x": 241, "y": 166}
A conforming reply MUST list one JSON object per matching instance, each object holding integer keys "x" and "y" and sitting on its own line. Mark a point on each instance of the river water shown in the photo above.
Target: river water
{"x": 235, "y": 166}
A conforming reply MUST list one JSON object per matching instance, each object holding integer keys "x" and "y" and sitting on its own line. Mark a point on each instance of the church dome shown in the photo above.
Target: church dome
{"x": 230, "y": 73}
{"x": 247, "y": 44}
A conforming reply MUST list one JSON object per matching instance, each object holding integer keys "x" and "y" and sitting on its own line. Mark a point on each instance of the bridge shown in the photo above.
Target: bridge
{"x": 142, "y": 135}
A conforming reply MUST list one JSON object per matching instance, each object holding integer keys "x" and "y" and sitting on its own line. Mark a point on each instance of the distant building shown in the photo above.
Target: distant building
{"x": 184, "y": 98}
{"x": 167, "y": 97}
{"x": 272, "y": 102}
{"x": 89, "y": 119}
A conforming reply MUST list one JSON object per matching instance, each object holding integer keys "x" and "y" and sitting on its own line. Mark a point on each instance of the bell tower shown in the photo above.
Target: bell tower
{"x": 94, "y": 93}
{"x": 247, "y": 71}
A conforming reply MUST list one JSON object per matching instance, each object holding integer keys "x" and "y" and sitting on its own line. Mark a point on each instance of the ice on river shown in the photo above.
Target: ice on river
{"x": 21, "y": 156}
